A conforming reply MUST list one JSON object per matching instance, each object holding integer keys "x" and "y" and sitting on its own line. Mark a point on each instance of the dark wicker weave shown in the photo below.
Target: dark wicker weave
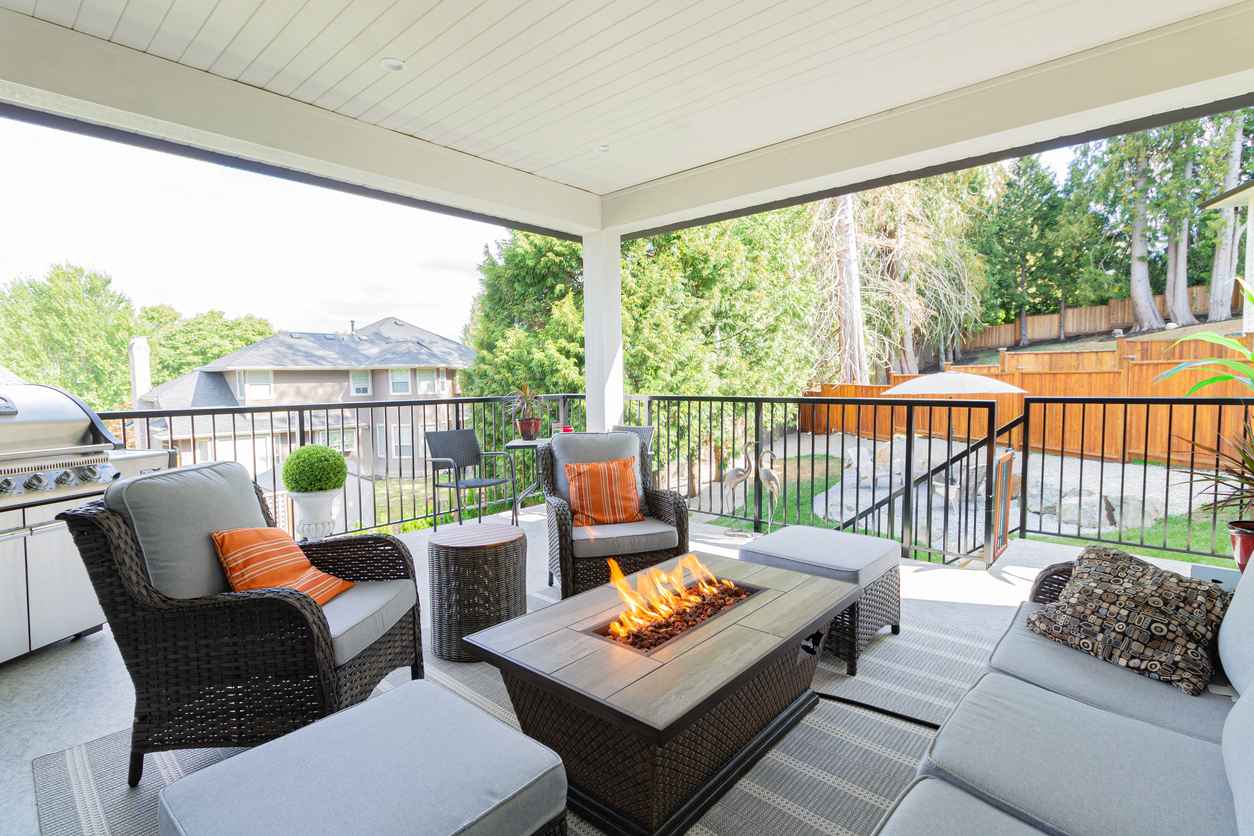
{"x": 580, "y": 574}
{"x": 879, "y": 607}
{"x": 638, "y": 778}
{"x": 1049, "y": 583}
{"x": 237, "y": 668}
{"x": 554, "y": 827}
{"x": 473, "y": 586}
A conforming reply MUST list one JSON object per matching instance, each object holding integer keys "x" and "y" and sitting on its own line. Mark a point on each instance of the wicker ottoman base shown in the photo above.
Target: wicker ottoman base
{"x": 625, "y": 783}
{"x": 478, "y": 578}
{"x": 880, "y": 607}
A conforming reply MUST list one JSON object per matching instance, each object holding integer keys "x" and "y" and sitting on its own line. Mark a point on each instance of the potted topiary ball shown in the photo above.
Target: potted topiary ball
{"x": 313, "y": 476}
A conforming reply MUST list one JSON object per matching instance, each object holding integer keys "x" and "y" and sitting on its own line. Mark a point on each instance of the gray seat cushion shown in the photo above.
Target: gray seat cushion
{"x": 174, "y": 512}
{"x": 934, "y": 808}
{"x": 1066, "y": 767}
{"x": 578, "y": 448}
{"x": 1238, "y": 749}
{"x": 365, "y": 612}
{"x": 855, "y": 558}
{"x": 647, "y": 535}
{"x": 1058, "y": 668}
{"x": 418, "y": 761}
{"x": 1236, "y": 651}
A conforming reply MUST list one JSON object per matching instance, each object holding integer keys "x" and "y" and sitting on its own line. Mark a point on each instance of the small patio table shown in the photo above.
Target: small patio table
{"x": 523, "y": 444}
{"x": 478, "y": 579}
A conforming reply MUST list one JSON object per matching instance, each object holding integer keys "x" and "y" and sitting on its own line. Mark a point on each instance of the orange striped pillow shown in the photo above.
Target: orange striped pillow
{"x": 604, "y": 493}
{"x": 263, "y": 558}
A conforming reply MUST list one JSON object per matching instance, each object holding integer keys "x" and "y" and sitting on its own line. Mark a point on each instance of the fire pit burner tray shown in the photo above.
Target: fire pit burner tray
{"x": 651, "y": 740}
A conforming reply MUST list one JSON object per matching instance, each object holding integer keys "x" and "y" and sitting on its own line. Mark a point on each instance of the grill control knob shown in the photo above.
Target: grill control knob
{"x": 35, "y": 482}
{"x": 65, "y": 477}
{"x": 7, "y": 485}
{"x": 88, "y": 473}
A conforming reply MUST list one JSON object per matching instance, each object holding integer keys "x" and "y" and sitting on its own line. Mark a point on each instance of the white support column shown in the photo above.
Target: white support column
{"x": 603, "y": 329}
{"x": 1247, "y": 310}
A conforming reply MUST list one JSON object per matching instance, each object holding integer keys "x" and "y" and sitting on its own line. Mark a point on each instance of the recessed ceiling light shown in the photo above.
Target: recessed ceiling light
{"x": 603, "y": 148}
{"x": 393, "y": 64}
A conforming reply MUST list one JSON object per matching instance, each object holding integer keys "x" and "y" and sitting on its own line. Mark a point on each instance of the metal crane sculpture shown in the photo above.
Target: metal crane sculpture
{"x": 734, "y": 477}
{"x": 770, "y": 480}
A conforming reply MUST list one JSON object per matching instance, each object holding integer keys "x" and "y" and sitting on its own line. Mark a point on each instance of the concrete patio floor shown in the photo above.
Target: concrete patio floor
{"x": 79, "y": 690}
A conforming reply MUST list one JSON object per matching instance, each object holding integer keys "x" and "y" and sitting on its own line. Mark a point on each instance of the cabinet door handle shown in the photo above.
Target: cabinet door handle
{"x": 13, "y": 534}
{"x": 46, "y": 528}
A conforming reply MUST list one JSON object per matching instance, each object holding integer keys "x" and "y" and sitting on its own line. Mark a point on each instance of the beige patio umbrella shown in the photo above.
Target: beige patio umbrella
{"x": 953, "y": 383}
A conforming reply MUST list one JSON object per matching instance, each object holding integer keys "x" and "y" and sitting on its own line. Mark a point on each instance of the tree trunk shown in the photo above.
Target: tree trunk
{"x": 853, "y": 360}
{"x": 909, "y": 357}
{"x": 1023, "y": 307}
{"x": 1183, "y": 309}
{"x": 958, "y": 349}
{"x": 1062, "y": 318}
{"x": 1143, "y": 307}
{"x": 1169, "y": 288}
{"x": 1223, "y": 264}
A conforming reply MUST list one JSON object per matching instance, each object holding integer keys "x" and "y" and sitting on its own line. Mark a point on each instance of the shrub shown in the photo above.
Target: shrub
{"x": 314, "y": 468}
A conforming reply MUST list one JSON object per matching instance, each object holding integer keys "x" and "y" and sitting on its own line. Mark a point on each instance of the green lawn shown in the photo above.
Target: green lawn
{"x": 1176, "y": 531}
{"x": 827, "y": 472}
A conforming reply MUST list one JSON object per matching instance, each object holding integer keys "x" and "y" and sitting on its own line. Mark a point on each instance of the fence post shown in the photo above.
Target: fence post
{"x": 757, "y": 476}
{"x": 1023, "y": 479}
{"x": 300, "y": 428}
{"x": 907, "y": 495}
{"x": 990, "y": 452}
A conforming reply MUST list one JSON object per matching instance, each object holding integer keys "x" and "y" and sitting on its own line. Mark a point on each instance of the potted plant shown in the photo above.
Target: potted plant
{"x": 1233, "y": 487}
{"x": 314, "y": 476}
{"x": 524, "y": 408}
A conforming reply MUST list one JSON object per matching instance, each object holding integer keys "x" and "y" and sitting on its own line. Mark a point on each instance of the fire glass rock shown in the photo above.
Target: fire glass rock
{"x": 712, "y": 603}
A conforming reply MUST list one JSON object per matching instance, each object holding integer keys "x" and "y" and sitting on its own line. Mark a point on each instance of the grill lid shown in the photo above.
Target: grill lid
{"x": 36, "y": 421}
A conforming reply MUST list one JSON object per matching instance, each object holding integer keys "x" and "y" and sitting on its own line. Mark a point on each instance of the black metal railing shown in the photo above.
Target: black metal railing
{"x": 1138, "y": 472}
{"x": 390, "y": 480}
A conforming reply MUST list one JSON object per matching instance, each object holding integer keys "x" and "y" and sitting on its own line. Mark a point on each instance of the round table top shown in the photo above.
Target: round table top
{"x": 475, "y": 535}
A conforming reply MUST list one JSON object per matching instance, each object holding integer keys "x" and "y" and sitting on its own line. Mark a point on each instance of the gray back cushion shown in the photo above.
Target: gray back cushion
{"x": 174, "y": 512}
{"x": 1236, "y": 651}
{"x": 578, "y": 448}
{"x": 1238, "y": 752}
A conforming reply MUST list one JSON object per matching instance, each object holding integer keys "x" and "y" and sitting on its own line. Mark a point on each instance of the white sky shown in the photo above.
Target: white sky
{"x": 199, "y": 236}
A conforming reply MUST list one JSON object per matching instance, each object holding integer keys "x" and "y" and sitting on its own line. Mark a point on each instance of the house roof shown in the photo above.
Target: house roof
{"x": 195, "y": 389}
{"x": 388, "y": 342}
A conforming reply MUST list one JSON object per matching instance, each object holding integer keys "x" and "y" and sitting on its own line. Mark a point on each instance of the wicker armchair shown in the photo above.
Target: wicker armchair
{"x": 580, "y": 574}
{"x": 236, "y": 668}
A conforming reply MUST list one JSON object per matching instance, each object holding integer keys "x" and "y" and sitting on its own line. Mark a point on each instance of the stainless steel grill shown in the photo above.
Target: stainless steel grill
{"x": 54, "y": 454}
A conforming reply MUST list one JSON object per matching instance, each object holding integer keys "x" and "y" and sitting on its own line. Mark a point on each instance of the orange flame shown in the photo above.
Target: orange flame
{"x": 659, "y": 595}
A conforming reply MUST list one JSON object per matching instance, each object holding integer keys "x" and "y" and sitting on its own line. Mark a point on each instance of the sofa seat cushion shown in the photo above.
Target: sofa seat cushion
{"x": 1135, "y": 615}
{"x": 931, "y": 807}
{"x": 647, "y": 535}
{"x": 363, "y": 613}
{"x": 1238, "y": 749}
{"x": 854, "y": 558}
{"x": 417, "y": 760}
{"x": 1067, "y": 767}
{"x": 174, "y": 512}
{"x": 1236, "y": 651}
{"x": 1056, "y": 667}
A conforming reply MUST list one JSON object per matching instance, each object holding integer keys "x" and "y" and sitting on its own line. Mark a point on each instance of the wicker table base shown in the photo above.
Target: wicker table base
{"x": 478, "y": 579}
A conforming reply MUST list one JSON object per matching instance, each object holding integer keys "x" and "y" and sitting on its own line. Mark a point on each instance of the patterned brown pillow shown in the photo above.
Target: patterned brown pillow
{"x": 1135, "y": 615}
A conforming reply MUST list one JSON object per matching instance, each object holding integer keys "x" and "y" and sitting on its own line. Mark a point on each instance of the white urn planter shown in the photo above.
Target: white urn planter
{"x": 315, "y": 514}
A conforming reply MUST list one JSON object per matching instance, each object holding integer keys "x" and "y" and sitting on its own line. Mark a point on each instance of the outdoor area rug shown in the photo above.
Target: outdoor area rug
{"x": 836, "y": 772}
{"x": 942, "y": 650}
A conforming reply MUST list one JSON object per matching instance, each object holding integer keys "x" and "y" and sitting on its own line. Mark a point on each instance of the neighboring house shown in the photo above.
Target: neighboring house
{"x": 388, "y": 360}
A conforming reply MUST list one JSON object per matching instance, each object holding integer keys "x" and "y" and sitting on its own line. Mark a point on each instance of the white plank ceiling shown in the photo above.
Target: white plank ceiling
{"x": 607, "y": 94}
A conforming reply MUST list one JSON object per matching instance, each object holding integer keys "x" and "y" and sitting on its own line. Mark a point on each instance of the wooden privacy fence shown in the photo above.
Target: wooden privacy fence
{"x": 1155, "y": 432}
{"x": 1095, "y": 319}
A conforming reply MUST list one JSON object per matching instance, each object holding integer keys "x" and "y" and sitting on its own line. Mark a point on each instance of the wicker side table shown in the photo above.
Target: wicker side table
{"x": 478, "y": 579}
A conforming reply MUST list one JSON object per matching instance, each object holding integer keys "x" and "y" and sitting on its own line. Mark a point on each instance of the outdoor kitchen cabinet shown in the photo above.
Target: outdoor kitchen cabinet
{"x": 14, "y": 628}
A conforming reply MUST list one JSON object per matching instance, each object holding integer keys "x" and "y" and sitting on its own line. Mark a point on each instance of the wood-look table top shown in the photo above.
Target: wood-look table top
{"x": 661, "y": 690}
{"x": 475, "y": 535}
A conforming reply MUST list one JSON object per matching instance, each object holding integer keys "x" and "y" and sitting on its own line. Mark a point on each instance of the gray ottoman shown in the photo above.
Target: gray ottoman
{"x": 869, "y": 562}
{"x": 416, "y": 760}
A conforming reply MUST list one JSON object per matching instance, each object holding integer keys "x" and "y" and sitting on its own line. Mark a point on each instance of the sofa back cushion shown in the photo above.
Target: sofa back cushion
{"x": 175, "y": 512}
{"x": 580, "y": 448}
{"x": 1236, "y": 638}
{"x": 1238, "y": 752}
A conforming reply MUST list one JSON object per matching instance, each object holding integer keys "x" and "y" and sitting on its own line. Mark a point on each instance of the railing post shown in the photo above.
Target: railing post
{"x": 757, "y": 476}
{"x": 1023, "y": 479}
{"x": 563, "y": 411}
{"x": 990, "y": 453}
{"x": 907, "y": 495}
{"x": 300, "y": 427}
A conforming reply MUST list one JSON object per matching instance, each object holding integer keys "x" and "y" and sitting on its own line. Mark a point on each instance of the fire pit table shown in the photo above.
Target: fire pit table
{"x": 650, "y": 739}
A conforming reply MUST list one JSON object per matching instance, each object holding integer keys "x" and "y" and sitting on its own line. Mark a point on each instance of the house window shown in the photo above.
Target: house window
{"x": 444, "y": 378}
{"x": 359, "y": 382}
{"x": 426, "y": 381}
{"x": 255, "y": 384}
{"x": 400, "y": 437}
{"x": 400, "y": 381}
{"x": 345, "y": 440}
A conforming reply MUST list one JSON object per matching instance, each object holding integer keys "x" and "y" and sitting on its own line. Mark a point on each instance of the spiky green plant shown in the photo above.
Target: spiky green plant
{"x": 1228, "y": 368}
